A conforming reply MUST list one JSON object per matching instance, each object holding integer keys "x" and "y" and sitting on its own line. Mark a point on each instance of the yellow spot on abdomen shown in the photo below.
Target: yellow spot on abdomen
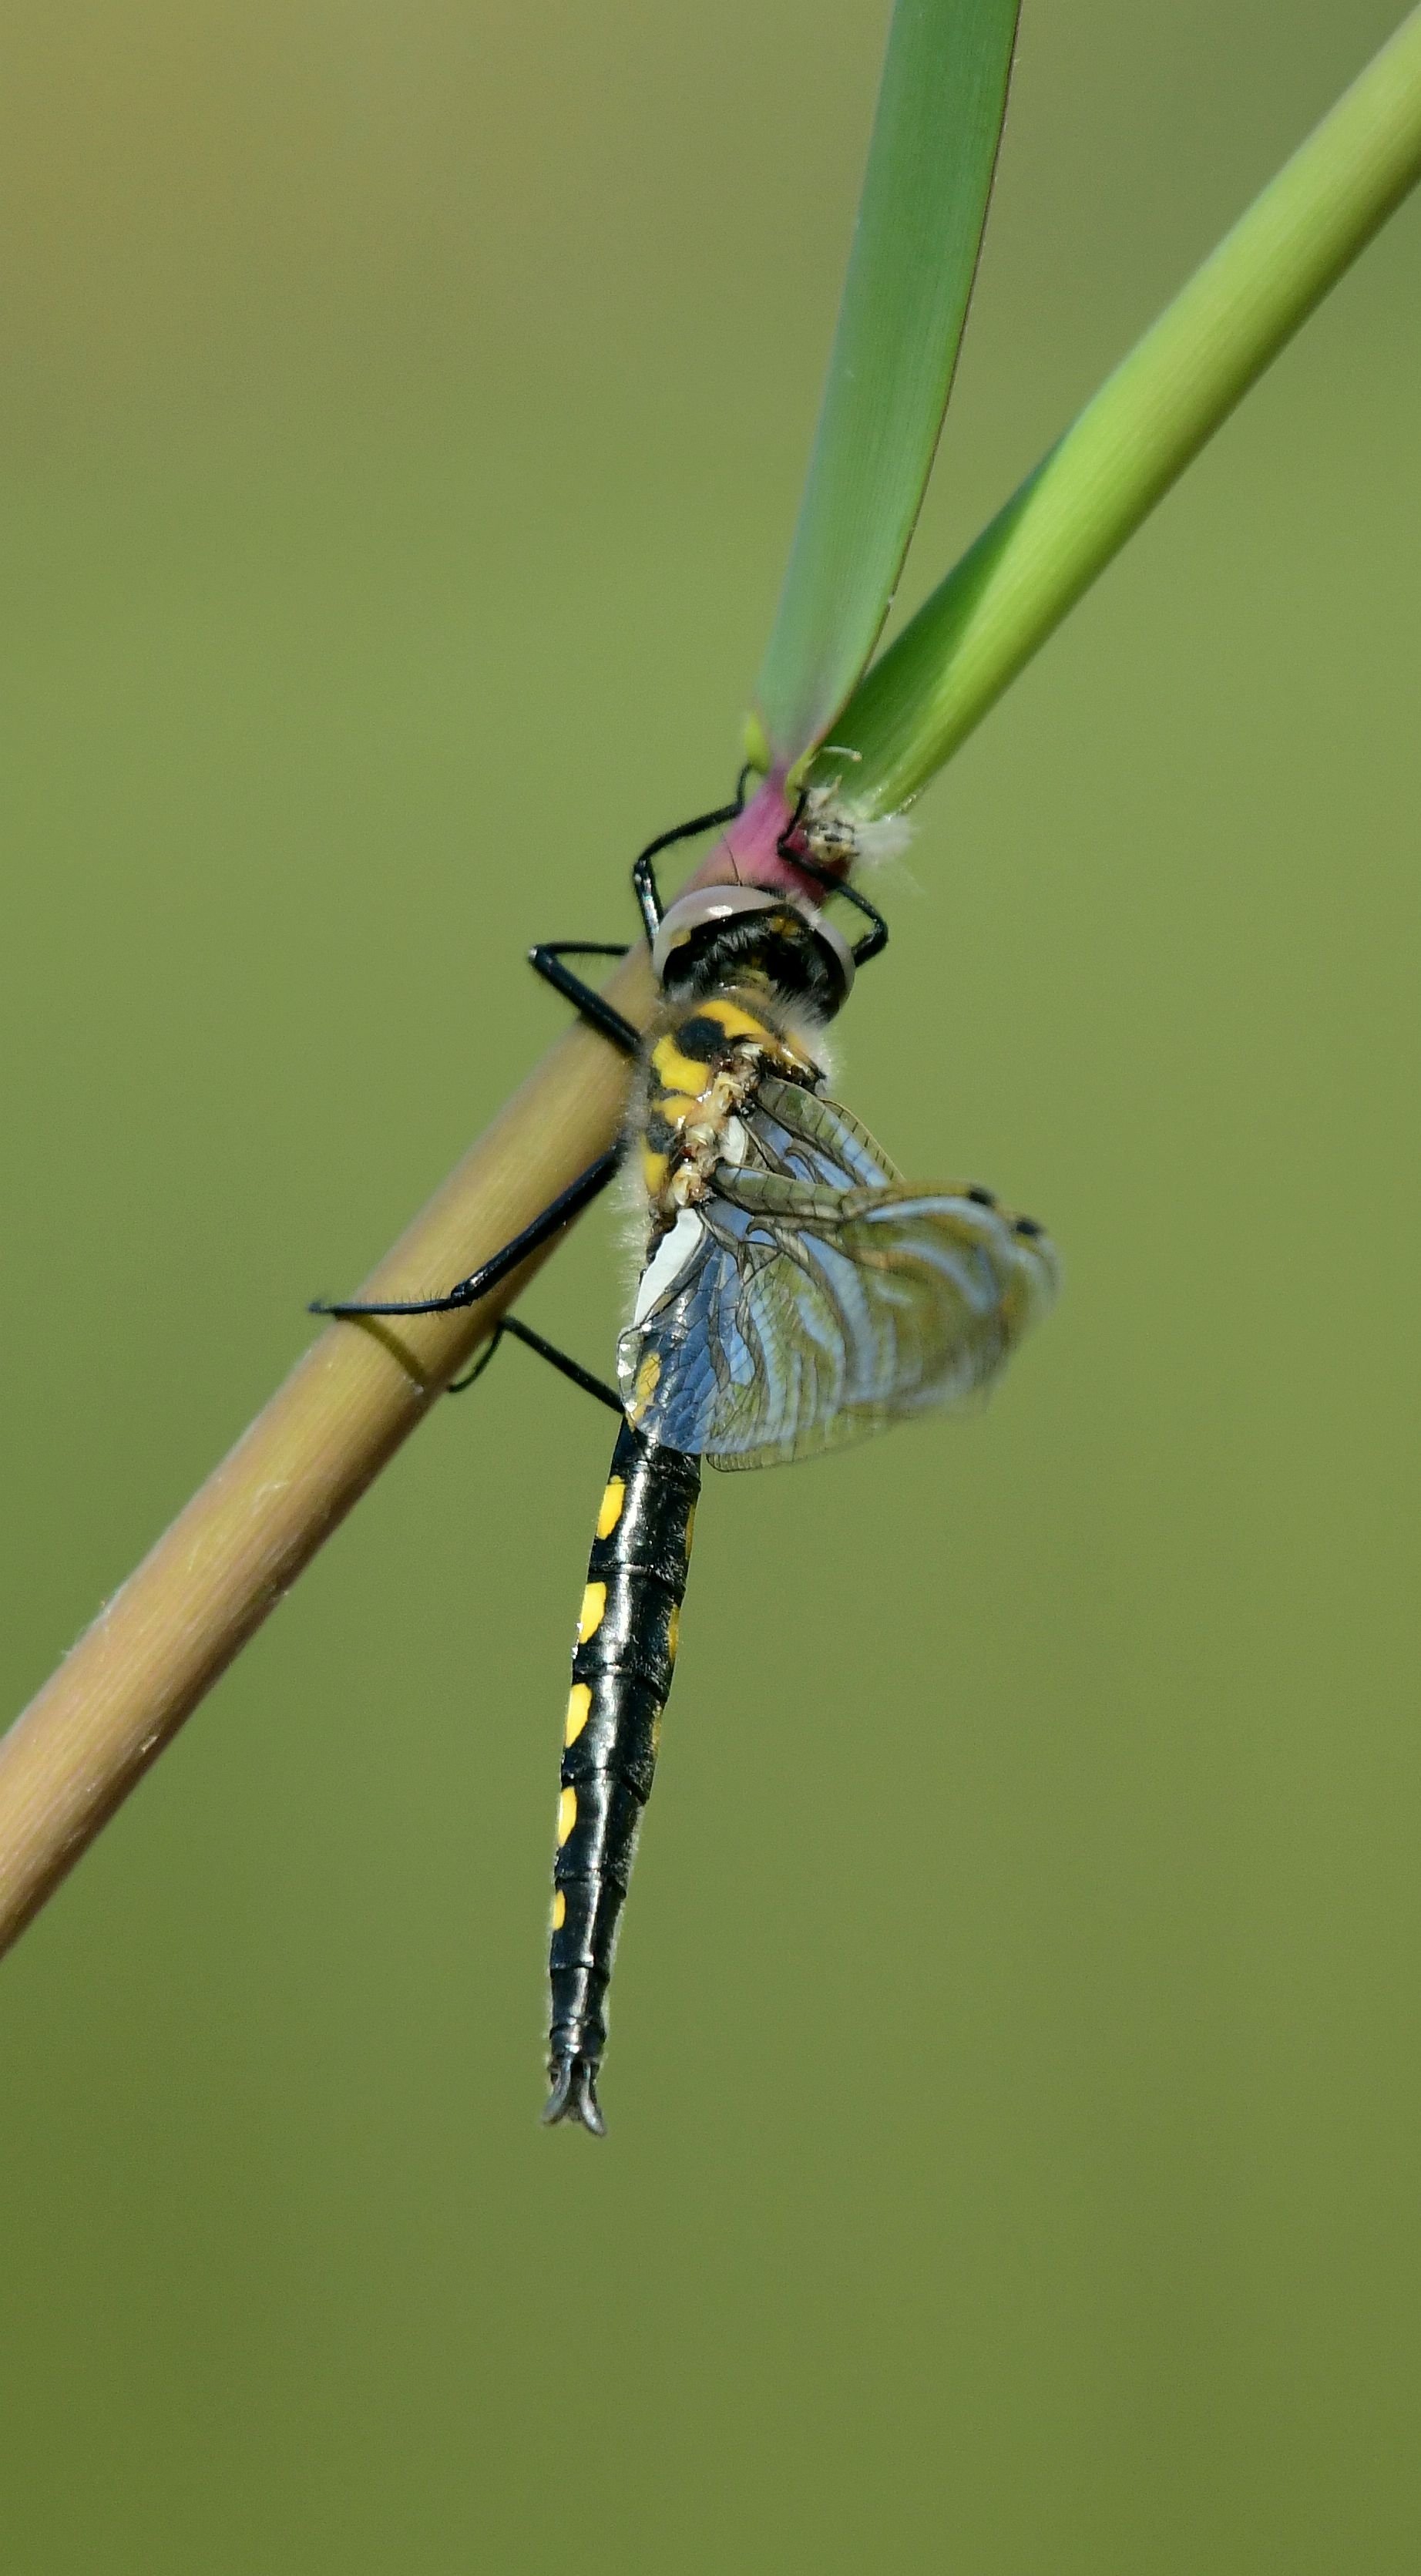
{"x": 579, "y": 1709}
{"x": 611, "y": 1512}
{"x": 567, "y": 1815}
{"x": 654, "y": 1168}
{"x": 559, "y": 1911}
{"x": 589, "y": 1617}
{"x": 673, "y": 1632}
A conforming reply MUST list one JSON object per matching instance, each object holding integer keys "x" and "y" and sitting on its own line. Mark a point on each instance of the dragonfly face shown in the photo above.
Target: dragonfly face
{"x": 796, "y": 1295}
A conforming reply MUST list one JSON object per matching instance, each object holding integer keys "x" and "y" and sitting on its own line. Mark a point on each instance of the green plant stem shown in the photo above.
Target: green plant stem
{"x": 1090, "y": 492}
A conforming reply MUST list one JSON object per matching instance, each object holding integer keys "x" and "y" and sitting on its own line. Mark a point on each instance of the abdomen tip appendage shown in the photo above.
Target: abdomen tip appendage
{"x": 574, "y": 2095}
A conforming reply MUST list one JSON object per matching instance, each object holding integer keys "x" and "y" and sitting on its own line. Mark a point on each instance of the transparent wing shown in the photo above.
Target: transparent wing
{"x": 811, "y": 1305}
{"x": 800, "y": 1133}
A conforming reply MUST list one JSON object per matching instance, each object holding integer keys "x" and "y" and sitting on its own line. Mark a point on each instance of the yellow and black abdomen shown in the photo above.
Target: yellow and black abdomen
{"x": 621, "y": 1674}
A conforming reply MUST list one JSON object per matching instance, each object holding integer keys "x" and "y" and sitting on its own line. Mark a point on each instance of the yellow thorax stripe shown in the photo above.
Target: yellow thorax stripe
{"x": 675, "y": 1106}
{"x": 735, "y": 1022}
{"x": 679, "y": 1073}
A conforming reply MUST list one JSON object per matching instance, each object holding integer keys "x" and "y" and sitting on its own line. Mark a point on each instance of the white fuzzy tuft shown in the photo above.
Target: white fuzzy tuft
{"x": 810, "y": 1034}
{"x": 633, "y": 1222}
{"x": 877, "y": 843}
{"x": 839, "y": 835}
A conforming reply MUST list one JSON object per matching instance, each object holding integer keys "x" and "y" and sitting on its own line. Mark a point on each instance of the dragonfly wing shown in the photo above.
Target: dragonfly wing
{"x": 803, "y": 1316}
{"x": 689, "y": 1362}
{"x": 800, "y": 1132}
{"x": 685, "y": 1359}
{"x": 897, "y": 1300}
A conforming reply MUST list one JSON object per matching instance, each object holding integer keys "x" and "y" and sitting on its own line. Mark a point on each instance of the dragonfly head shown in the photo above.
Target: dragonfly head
{"x": 726, "y": 934}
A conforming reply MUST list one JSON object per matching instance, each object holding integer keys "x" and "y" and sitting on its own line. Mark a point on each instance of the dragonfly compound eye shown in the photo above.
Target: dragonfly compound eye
{"x": 723, "y": 932}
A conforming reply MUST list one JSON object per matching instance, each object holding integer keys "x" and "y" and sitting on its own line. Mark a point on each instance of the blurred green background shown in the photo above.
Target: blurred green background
{"x": 1013, "y": 2086}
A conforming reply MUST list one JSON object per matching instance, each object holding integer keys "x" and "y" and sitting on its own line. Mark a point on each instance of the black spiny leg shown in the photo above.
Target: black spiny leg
{"x": 467, "y": 1292}
{"x": 644, "y": 885}
{"x": 547, "y": 962}
{"x": 548, "y": 1351}
{"x": 875, "y": 939}
{"x": 600, "y": 1014}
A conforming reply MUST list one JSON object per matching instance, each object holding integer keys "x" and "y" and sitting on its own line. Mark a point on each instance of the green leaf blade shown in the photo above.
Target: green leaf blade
{"x": 1116, "y": 461}
{"x": 931, "y": 159}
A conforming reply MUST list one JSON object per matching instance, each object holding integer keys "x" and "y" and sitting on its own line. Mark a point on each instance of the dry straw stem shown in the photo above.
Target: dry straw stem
{"x": 156, "y": 1647}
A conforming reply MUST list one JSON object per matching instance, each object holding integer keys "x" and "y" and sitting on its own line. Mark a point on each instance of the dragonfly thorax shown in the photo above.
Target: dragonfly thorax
{"x": 705, "y": 1062}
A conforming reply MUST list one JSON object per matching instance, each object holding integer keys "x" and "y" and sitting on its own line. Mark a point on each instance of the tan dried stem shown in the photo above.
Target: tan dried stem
{"x": 125, "y": 1688}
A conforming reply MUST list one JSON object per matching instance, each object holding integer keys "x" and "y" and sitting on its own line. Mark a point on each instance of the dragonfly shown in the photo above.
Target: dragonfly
{"x": 797, "y": 1294}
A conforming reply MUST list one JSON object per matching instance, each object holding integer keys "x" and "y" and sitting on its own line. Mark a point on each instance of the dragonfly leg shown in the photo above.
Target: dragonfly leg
{"x": 644, "y": 885}
{"x": 600, "y": 1014}
{"x": 467, "y": 1292}
{"x": 875, "y": 938}
{"x": 549, "y": 1351}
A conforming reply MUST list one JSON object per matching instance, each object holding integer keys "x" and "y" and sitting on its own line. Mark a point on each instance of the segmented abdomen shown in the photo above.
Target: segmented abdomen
{"x": 621, "y": 1674}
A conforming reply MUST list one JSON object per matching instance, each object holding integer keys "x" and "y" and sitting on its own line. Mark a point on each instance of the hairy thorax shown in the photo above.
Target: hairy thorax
{"x": 704, "y": 1064}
